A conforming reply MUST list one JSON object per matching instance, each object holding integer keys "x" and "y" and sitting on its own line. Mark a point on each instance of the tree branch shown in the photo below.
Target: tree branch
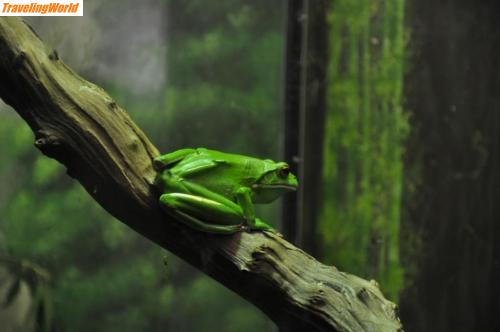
{"x": 79, "y": 124}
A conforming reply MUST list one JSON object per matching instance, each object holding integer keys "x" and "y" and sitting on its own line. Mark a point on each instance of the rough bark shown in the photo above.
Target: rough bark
{"x": 78, "y": 124}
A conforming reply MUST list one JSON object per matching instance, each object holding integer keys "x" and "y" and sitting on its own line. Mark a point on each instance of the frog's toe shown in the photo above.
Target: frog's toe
{"x": 169, "y": 201}
{"x": 260, "y": 225}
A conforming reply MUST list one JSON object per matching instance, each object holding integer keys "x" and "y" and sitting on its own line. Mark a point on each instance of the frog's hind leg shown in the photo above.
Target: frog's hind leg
{"x": 203, "y": 214}
{"x": 163, "y": 161}
{"x": 202, "y": 226}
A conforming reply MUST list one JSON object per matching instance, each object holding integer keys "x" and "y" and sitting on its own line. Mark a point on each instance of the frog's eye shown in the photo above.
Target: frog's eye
{"x": 284, "y": 171}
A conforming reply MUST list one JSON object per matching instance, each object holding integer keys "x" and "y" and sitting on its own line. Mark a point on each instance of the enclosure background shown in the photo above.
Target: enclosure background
{"x": 406, "y": 183}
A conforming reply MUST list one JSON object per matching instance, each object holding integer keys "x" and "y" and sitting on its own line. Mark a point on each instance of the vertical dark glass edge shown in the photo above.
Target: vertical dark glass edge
{"x": 291, "y": 110}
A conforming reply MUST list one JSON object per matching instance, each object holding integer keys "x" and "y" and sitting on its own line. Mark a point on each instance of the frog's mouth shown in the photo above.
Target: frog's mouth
{"x": 274, "y": 186}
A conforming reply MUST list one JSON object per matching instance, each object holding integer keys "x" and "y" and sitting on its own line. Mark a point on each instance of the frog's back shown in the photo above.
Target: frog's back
{"x": 230, "y": 165}
{"x": 220, "y": 171}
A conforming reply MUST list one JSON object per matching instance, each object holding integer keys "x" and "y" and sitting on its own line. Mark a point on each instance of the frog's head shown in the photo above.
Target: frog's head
{"x": 275, "y": 180}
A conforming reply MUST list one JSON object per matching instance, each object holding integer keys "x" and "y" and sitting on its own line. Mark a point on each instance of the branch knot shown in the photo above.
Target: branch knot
{"x": 49, "y": 143}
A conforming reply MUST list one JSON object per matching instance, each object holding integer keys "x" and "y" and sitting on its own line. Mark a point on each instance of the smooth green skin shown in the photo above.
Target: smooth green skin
{"x": 214, "y": 192}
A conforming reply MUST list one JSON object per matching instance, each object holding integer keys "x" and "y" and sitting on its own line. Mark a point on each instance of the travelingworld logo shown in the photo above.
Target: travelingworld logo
{"x": 41, "y": 8}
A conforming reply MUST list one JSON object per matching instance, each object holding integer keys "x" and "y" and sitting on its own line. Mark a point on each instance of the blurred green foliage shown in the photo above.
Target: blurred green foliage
{"x": 225, "y": 66}
{"x": 365, "y": 130}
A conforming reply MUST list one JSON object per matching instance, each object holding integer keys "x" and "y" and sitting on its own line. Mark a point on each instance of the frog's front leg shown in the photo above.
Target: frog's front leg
{"x": 244, "y": 199}
{"x": 204, "y": 214}
{"x": 161, "y": 162}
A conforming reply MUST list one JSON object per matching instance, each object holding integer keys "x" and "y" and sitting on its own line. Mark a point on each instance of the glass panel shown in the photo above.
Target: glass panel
{"x": 365, "y": 128}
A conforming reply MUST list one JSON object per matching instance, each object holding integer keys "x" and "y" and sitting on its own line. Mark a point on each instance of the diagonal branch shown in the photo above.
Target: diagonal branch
{"x": 79, "y": 124}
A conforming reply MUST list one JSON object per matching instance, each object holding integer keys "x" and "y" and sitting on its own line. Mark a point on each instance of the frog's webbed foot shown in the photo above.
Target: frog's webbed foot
{"x": 261, "y": 228}
{"x": 260, "y": 225}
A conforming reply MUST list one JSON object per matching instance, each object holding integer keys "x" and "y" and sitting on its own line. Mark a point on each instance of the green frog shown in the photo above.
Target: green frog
{"x": 215, "y": 192}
